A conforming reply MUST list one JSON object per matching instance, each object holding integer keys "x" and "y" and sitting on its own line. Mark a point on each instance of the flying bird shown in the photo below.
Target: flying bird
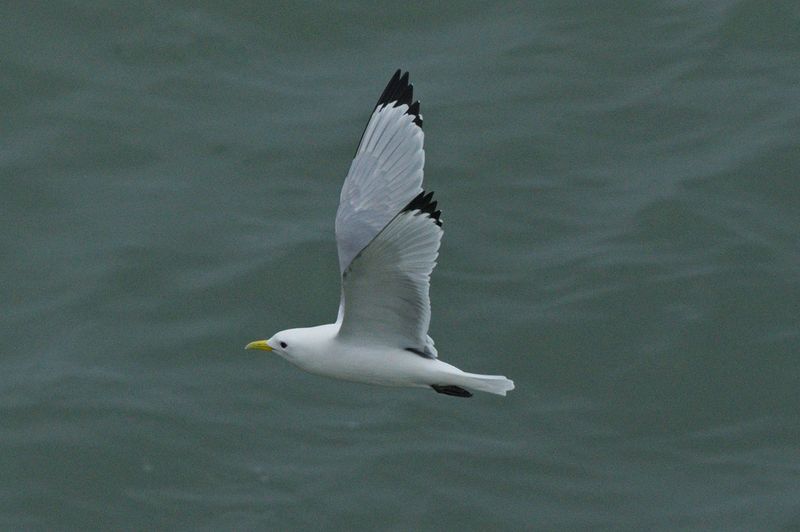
{"x": 388, "y": 232}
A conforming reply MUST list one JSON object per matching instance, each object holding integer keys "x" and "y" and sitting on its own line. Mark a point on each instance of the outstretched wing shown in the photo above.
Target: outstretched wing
{"x": 386, "y": 172}
{"x": 385, "y": 288}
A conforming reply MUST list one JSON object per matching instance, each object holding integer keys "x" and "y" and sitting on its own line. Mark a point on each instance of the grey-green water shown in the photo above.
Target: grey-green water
{"x": 621, "y": 196}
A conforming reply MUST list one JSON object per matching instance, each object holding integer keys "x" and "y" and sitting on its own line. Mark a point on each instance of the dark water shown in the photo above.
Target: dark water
{"x": 621, "y": 195}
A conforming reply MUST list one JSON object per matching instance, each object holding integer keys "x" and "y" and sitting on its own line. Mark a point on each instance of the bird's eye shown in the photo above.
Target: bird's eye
{"x": 283, "y": 345}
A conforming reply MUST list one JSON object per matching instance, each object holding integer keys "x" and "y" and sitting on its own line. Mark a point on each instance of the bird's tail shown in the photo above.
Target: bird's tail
{"x": 496, "y": 384}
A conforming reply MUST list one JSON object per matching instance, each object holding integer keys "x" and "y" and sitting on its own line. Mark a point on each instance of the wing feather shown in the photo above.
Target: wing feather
{"x": 386, "y": 287}
{"x": 386, "y": 172}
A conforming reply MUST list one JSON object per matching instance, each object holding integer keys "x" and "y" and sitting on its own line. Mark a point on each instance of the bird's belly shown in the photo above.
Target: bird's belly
{"x": 389, "y": 367}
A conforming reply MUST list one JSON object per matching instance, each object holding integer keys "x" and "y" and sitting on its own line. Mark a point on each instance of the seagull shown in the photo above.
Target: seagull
{"x": 388, "y": 231}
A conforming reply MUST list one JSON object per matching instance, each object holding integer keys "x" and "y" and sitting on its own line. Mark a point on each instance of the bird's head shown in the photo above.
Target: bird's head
{"x": 281, "y": 343}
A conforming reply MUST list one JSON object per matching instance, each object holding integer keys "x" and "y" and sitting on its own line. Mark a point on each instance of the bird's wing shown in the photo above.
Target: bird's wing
{"x": 386, "y": 172}
{"x": 385, "y": 288}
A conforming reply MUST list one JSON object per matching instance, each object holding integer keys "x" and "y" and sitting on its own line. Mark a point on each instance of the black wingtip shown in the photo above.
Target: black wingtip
{"x": 420, "y": 352}
{"x": 400, "y": 92}
{"x": 423, "y": 203}
{"x": 414, "y": 111}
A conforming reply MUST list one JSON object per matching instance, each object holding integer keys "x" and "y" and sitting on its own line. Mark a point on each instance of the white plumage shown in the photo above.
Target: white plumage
{"x": 388, "y": 233}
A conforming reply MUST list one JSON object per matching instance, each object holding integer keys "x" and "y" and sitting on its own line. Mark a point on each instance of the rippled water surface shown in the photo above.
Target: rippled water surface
{"x": 621, "y": 193}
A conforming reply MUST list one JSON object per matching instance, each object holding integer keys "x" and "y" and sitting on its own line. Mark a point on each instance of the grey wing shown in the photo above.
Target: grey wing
{"x": 386, "y": 172}
{"x": 386, "y": 287}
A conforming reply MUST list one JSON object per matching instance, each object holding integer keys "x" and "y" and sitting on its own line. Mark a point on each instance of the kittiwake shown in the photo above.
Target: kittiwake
{"x": 388, "y": 232}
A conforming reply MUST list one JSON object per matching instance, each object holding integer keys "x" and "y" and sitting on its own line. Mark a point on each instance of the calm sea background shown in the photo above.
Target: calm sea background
{"x": 620, "y": 184}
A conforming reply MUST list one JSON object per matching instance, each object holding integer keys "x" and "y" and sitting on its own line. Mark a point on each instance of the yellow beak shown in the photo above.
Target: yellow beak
{"x": 259, "y": 344}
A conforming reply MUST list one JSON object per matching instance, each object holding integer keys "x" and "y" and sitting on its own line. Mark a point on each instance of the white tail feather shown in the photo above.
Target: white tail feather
{"x": 496, "y": 384}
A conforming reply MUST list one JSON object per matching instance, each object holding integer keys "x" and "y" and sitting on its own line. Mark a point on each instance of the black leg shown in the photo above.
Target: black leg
{"x": 457, "y": 391}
